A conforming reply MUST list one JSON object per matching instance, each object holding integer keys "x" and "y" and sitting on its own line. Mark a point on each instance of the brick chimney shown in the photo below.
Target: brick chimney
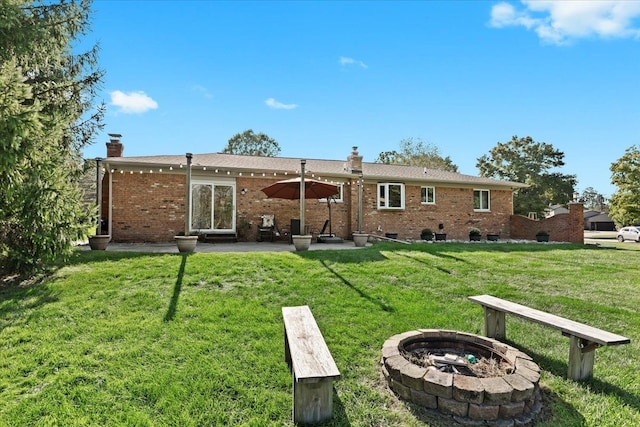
{"x": 354, "y": 161}
{"x": 114, "y": 147}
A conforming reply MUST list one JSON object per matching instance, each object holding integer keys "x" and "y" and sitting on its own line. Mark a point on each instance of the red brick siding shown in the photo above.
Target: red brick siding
{"x": 453, "y": 209}
{"x": 562, "y": 228}
{"x": 150, "y": 208}
{"x": 146, "y": 207}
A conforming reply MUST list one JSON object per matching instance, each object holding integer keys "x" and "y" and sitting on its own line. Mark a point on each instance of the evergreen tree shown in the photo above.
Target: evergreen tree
{"x": 47, "y": 117}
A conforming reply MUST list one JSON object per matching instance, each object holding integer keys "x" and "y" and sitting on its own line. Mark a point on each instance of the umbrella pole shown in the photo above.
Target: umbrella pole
{"x": 302, "y": 195}
{"x": 329, "y": 203}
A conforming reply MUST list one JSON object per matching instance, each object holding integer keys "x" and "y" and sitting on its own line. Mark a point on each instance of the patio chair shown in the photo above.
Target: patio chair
{"x": 268, "y": 228}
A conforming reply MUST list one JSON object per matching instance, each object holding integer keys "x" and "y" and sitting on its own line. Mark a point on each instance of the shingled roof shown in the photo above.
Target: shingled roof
{"x": 328, "y": 169}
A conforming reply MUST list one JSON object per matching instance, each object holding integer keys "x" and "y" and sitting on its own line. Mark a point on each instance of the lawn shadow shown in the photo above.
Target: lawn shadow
{"x": 84, "y": 257}
{"x": 421, "y": 261}
{"x": 21, "y": 294}
{"x": 340, "y": 417}
{"x": 381, "y": 304}
{"x": 560, "y": 369}
{"x": 173, "y": 303}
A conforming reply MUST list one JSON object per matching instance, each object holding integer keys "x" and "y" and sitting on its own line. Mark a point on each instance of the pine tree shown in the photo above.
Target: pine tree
{"x": 47, "y": 116}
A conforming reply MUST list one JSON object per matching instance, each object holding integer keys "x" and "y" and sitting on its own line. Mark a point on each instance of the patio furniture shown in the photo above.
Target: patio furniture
{"x": 267, "y": 230}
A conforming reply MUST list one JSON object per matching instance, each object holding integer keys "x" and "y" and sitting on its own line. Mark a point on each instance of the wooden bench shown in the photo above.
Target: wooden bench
{"x": 312, "y": 366}
{"x": 584, "y": 339}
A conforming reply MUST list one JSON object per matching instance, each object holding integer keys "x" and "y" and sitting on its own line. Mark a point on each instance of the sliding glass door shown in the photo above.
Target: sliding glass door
{"x": 212, "y": 206}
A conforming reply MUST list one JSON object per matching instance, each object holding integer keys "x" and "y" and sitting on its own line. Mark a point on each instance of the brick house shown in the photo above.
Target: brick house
{"x": 144, "y": 198}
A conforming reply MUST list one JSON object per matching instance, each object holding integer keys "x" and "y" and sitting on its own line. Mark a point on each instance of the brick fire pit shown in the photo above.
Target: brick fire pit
{"x": 445, "y": 371}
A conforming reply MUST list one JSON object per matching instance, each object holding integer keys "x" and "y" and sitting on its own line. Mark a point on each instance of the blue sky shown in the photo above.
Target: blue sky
{"x": 321, "y": 77}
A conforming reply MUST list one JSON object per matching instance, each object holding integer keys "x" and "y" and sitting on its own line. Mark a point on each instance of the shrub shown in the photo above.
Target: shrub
{"x": 426, "y": 234}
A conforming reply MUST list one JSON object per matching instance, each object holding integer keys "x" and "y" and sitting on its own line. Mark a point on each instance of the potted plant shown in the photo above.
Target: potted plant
{"x": 186, "y": 243}
{"x": 426, "y": 234}
{"x": 493, "y": 237}
{"x": 440, "y": 234}
{"x": 474, "y": 234}
{"x": 301, "y": 242}
{"x": 542, "y": 236}
{"x": 99, "y": 242}
{"x": 360, "y": 239}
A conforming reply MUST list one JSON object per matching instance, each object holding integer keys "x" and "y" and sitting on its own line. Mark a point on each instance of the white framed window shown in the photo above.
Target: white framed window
{"x": 390, "y": 195}
{"x": 338, "y": 196}
{"x": 481, "y": 200}
{"x": 428, "y": 195}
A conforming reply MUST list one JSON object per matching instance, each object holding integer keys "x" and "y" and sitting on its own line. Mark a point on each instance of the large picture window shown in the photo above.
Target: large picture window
{"x": 212, "y": 206}
{"x": 481, "y": 200}
{"x": 428, "y": 195}
{"x": 390, "y": 195}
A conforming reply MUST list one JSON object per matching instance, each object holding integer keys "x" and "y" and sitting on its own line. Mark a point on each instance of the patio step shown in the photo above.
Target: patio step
{"x": 220, "y": 238}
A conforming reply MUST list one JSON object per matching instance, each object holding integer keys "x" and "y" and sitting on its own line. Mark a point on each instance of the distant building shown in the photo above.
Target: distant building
{"x": 598, "y": 221}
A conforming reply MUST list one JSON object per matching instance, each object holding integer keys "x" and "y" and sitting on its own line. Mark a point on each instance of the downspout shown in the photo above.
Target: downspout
{"x": 302, "y": 194}
{"x": 110, "y": 223}
{"x": 187, "y": 214}
{"x": 360, "y": 189}
{"x": 99, "y": 194}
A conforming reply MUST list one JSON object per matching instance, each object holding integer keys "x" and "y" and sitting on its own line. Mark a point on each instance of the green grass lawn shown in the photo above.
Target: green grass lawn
{"x": 136, "y": 339}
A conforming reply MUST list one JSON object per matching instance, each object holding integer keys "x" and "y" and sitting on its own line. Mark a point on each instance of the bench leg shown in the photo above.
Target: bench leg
{"x": 494, "y": 323}
{"x": 581, "y": 357}
{"x": 312, "y": 401}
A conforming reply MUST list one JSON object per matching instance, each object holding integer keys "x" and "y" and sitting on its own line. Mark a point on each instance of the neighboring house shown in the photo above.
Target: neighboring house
{"x": 554, "y": 210}
{"x": 598, "y": 221}
{"x": 143, "y": 198}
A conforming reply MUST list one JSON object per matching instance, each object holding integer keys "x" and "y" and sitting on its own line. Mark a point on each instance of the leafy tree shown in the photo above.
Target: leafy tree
{"x": 593, "y": 200}
{"x": 527, "y": 161}
{"x": 251, "y": 144}
{"x": 417, "y": 153}
{"x": 624, "y": 204}
{"x": 47, "y": 116}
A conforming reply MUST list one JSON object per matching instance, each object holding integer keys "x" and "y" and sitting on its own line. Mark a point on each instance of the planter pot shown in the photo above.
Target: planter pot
{"x": 427, "y": 237}
{"x": 301, "y": 243}
{"x": 493, "y": 237}
{"x": 360, "y": 239}
{"x": 99, "y": 242}
{"x": 391, "y": 235}
{"x": 474, "y": 237}
{"x": 186, "y": 243}
{"x": 441, "y": 237}
{"x": 542, "y": 238}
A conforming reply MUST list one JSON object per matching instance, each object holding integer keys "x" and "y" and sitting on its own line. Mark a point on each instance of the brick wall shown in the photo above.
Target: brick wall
{"x": 150, "y": 208}
{"x": 146, "y": 207}
{"x": 453, "y": 209}
{"x": 567, "y": 227}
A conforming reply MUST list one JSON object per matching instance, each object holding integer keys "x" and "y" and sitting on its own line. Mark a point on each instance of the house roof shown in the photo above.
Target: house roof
{"x": 320, "y": 169}
{"x": 603, "y": 217}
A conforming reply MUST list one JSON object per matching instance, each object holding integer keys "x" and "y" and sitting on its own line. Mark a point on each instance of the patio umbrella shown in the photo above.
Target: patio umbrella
{"x": 290, "y": 189}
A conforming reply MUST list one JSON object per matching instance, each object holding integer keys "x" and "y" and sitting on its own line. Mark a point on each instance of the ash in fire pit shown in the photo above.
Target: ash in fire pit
{"x": 469, "y": 377}
{"x": 447, "y": 357}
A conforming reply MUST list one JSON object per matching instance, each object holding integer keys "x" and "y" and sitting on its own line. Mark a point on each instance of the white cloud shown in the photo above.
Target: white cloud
{"x": 350, "y": 61}
{"x": 279, "y": 105}
{"x": 132, "y": 102}
{"x": 560, "y": 22}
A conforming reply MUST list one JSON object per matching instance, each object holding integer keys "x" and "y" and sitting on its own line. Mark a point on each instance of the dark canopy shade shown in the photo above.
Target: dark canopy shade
{"x": 290, "y": 189}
